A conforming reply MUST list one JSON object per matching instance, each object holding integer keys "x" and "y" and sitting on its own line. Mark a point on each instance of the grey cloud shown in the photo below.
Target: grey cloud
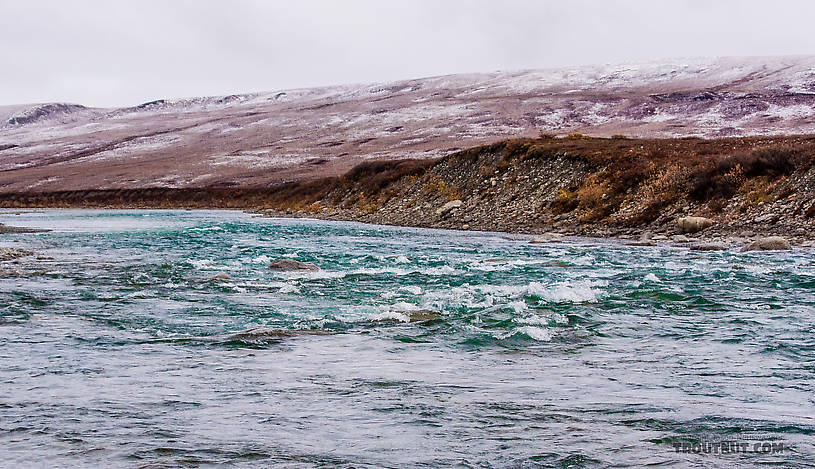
{"x": 112, "y": 53}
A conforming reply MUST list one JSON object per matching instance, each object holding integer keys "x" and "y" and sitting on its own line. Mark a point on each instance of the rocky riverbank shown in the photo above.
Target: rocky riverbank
{"x": 745, "y": 189}
{"x": 637, "y": 189}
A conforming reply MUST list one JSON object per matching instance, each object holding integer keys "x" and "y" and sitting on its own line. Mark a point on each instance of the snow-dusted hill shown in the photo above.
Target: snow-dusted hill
{"x": 267, "y": 138}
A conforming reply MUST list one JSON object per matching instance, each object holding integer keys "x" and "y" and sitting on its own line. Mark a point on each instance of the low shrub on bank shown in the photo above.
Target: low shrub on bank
{"x": 722, "y": 178}
{"x": 373, "y": 176}
{"x": 626, "y": 181}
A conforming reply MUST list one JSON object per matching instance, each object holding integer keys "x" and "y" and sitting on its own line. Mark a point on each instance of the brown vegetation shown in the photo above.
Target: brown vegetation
{"x": 523, "y": 183}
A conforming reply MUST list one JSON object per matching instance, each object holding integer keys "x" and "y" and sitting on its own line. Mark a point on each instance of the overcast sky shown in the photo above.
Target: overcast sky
{"x": 117, "y": 53}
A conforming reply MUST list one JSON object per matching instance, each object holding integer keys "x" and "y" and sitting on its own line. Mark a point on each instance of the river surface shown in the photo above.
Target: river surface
{"x": 410, "y": 347}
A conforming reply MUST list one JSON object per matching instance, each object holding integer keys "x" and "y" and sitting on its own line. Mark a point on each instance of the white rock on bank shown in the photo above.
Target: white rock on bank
{"x": 770, "y": 243}
{"x": 547, "y": 238}
{"x": 693, "y": 224}
{"x": 445, "y": 209}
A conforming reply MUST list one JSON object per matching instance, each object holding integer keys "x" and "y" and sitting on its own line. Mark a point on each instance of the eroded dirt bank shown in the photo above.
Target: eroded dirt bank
{"x": 573, "y": 185}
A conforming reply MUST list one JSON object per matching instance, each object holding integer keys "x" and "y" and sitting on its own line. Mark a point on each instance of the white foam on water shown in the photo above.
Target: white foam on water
{"x": 262, "y": 259}
{"x": 560, "y": 318}
{"x": 318, "y": 275}
{"x": 412, "y": 289}
{"x": 466, "y": 295}
{"x": 324, "y": 274}
{"x": 137, "y": 295}
{"x": 390, "y": 315}
{"x": 289, "y": 288}
{"x": 675, "y": 266}
{"x": 489, "y": 267}
{"x": 402, "y": 260}
{"x": 583, "y": 260}
{"x": 404, "y": 306}
{"x": 533, "y": 332}
{"x": 439, "y": 271}
{"x": 518, "y": 306}
{"x": 488, "y": 296}
{"x": 581, "y": 291}
{"x": 652, "y": 278}
{"x": 542, "y": 320}
{"x": 503, "y": 266}
{"x": 758, "y": 269}
{"x": 205, "y": 228}
{"x": 202, "y": 264}
{"x": 142, "y": 279}
{"x": 381, "y": 270}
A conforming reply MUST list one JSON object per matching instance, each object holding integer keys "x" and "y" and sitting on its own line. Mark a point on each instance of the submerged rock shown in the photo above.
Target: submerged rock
{"x": 291, "y": 265}
{"x": 220, "y": 277}
{"x": 693, "y": 224}
{"x": 643, "y": 243}
{"x": 770, "y": 243}
{"x": 419, "y": 315}
{"x": 5, "y": 229}
{"x": 261, "y": 335}
{"x": 9, "y": 254}
{"x": 547, "y": 238}
{"x": 709, "y": 247}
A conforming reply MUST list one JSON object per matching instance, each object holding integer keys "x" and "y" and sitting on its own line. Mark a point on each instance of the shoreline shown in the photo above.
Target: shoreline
{"x": 699, "y": 241}
{"x": 629, "y": 189}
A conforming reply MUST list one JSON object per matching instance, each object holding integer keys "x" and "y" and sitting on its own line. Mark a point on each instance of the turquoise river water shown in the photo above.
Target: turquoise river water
{"x": 409, "y": 348}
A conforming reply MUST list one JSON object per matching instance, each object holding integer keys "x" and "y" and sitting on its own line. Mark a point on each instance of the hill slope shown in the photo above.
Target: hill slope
{"x": 270, "y": 138}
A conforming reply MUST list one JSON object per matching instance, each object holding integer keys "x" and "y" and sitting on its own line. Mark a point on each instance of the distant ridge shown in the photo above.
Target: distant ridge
{"x": 263, "y": 139}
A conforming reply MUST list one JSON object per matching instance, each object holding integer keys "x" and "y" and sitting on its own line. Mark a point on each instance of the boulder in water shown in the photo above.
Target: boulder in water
{"x": 4, "y": 229}
{"x": 693, "y": 224}
{"x": 291, "y": 265}
{"x": 10, "y": 254}
{"x": 220, "y": 277}
{"x": 770, "y": 243}
{"x": 422, "y": 315}
{"x": 419, "y": 315}
{"x": 262, "y": 335}
{"x": 708, "y": 247}
{"x": 643, "y": 243}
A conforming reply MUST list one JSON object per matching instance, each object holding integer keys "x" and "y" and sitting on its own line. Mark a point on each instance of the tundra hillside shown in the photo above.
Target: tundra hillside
{"x": 262, "y": 139}
{"x": 572, "y": 185}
